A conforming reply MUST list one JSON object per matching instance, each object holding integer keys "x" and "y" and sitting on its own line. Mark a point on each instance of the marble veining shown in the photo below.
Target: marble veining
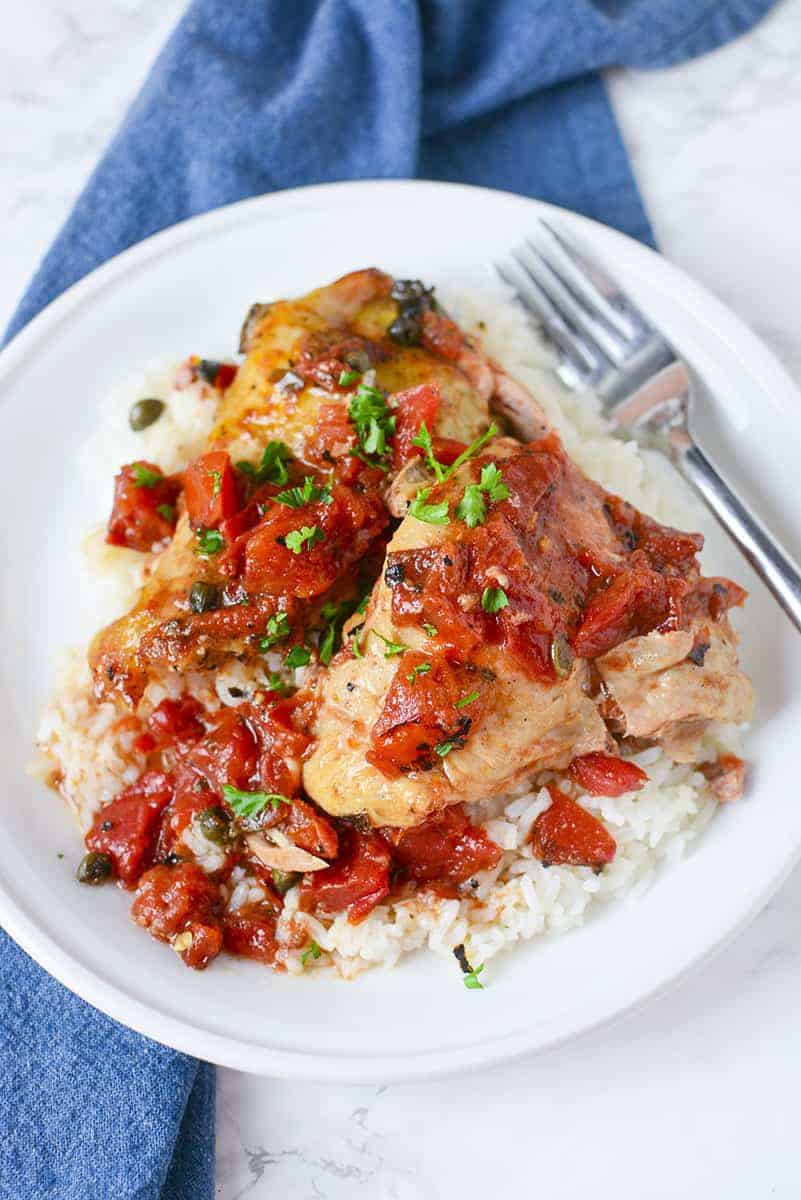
{"x": 702, "y": 1081}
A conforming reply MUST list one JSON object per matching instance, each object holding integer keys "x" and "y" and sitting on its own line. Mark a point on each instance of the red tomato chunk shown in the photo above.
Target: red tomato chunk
{"x": 181, "y": 899}
{"x": 357, "y": 881}
{"x": 567, "y": 834}
{"x": 250, "y": 933}
{"x": 127, "y": 828}
{"x": 210, "y": 490}
{"x": 445, "y": 847}
{"x": 602, "y": 775}
{"x": 143, "y": 512}
{"x": 413, "y": 407}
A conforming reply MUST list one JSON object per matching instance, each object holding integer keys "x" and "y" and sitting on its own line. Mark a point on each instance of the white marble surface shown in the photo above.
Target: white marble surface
{"x": 697, "y": 1094}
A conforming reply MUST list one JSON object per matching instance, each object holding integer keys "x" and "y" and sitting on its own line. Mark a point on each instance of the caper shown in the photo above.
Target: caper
{"x": 404, "y": 290}
{"x": 215, "y": 824}
{"x": 145, "y": 412}
{"x": 405, "y": 329}
{"x": 204, "y": 596}
{"x": 561, "y": 655}
{"x": 284, "y": 880}
{"x": 95, "y": 868}
{"x": 357, "y": 360}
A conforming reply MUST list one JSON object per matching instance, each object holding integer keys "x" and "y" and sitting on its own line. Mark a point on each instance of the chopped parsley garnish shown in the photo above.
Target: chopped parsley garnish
{"x": 334, "y": 615}
{"x": 144, "y": 477}
{"x": 432, "y": 514}
{"x": 361, "y": 607}
{"x": 392, "y": 648}
{"x": 494, "y": 599}
{"x": 304, "y": 538}
{"x": 471, "y": 979}
{"x": 472, "y": 508}
{"x": 420, "y": 669}
{"x": 346, "y": 378}
{"x": 355, "y": 647}
{"x": 374, "y": 422}
{"x": 313, "y": 951}
{"x": 277, "y": 630}
{"x": 430, "y": 630}
{"x": 298, "y": 656}
{"x": 216, "y": 482}
{"x": 272, "y": 468}
{"x": 444, "y": 748}
{"x": 278, "y": 685}
{"x": 167, "y": 511}
{"x": 250, "y": 804}
{"x": 209, "y": 542}
{"x": 424, "y": 441}
{"x": 465, "y": 700}
{"x": 297, "y": 497}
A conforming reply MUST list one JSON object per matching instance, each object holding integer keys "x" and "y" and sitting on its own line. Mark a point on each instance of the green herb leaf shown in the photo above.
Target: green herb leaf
{"x": 167, "y": 511}
{"x": 472, "y": 450}
{"x": 144, "y": 477}
{"x": 392, "y": 648}
{"x": 465, "y": 700}
{"x": 471, "y": 979}
{"x": 297, "y": 497}
{"x": 491, "y": 482}
{"x": 250, "y": 804}
{"x": 277, "y": 630}
{"x": 305, "y": 537}
{"x": 432, "y": 514}
{"x": 272, "y": 468}
{"x": 420, "y": 669}
{"x": 374, "y": 423}
{"x": 494, "y": 599}
{"x": 216, "y": 482}
{"x": 209, "y": 542}
{"x": 431, "y": 630}
{"x": 346, "y": 378}
{"x": 325, "y": 650}
{"x": 472, "y": 508}
{"x": 278, "y": 685}
{"x": 298, "y": 656}
{"x": 313, "y": 951}
{"x": 355, "y": 647}
{"x": 361, "y": 607}
{"x": 444, "y": 748}
{"x": 425, "y": 443}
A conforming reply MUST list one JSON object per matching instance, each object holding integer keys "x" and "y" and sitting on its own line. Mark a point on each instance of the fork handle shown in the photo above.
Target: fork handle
{"x": 764, "y": 551}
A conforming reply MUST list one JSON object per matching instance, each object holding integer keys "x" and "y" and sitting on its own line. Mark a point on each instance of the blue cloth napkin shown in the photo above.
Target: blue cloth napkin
{"x": 246, "y": 98}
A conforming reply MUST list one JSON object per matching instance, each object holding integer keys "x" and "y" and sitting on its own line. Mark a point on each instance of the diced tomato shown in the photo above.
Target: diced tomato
{"x": 420, "y": 712}
{"x": 310, "y": 830}
{"x": 446, "y": 846}
{"x": 567, "y": 834}
{"x": 250, "y": 933}
{"x": 342, "y": 531}
{"x": 143, "y": 512}
{"x": 228, "y": 754}
{"x": 179, "y": 899}
{"x": 226, "y": 374}
{"x": 126, "y": 829}
{"x": 281, "y": 747}
{"x": 637, "y": 601}
{"x": 334, "y": 436}
{"x": 412, "y": 408}
{"x": 357, "y": 881}
{"x": 726, "y": 777}
{"x": 447, "y": 450}
{"x": 602, "y": 775}
{"x": 210, "y": 490}
{"x": 175, "y": 722}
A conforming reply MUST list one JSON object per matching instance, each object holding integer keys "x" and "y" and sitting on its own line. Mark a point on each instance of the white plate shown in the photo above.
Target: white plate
{"x": 184, "y": 291}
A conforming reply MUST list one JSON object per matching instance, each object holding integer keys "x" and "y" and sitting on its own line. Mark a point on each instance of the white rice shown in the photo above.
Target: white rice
{"x": 520, "y": 899}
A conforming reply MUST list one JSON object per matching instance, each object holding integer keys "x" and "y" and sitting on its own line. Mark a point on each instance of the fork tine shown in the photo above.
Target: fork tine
{"x": 583, "y": 321}
{"x": 589, "y": 280}
{"x": 536, "y": 302}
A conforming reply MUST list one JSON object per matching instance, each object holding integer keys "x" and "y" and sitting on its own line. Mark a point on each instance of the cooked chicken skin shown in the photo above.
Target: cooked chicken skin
{"x": 290, "y": 374}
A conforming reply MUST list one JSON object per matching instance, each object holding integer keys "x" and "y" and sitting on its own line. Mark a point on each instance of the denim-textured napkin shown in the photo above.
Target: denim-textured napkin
{"x": 248, "y": 97}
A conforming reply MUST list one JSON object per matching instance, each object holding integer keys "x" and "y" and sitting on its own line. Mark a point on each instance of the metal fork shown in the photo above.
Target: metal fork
{"x": 607, "y": 344}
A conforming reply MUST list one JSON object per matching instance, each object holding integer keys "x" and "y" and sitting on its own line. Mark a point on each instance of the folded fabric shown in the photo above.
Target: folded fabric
{"x": 248, "y": 98}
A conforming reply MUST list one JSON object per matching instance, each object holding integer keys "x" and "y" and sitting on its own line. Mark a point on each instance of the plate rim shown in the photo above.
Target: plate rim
{"x": 256, "y": 1058}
